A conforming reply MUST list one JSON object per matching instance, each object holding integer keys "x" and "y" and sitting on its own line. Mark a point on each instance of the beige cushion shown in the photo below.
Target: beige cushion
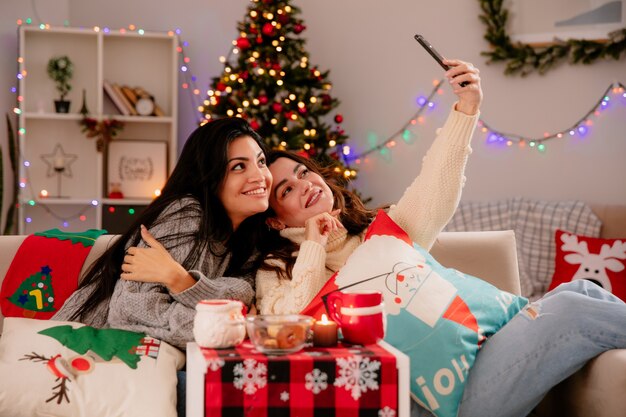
{"x": 490, "y": 256}
{"x": 613, "y": 219}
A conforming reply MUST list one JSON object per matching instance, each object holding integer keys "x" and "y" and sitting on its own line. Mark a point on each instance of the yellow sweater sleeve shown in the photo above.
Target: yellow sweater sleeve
{"x": 277, "y": 295}
{"x": 430, "y": 201}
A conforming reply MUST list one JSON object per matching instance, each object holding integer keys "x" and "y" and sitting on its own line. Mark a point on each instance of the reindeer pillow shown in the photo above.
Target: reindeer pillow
{"x": 55, "y": 368}
{"x": 602, "y": 261}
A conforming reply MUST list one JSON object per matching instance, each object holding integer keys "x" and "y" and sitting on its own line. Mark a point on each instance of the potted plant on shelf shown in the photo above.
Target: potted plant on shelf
{"x": 60, "y": 70}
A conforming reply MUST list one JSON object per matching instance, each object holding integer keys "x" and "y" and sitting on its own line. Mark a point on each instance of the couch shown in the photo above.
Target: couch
{"x": 596, "y": 390}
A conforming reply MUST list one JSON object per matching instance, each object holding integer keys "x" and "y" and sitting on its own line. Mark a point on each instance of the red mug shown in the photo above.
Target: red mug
{"x": 359, "y": 314}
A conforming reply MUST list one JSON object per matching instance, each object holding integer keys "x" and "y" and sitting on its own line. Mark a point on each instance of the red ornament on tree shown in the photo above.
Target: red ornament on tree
{"x": 277, "y": 107}
{"x": 283, "y": 18}
{"x": 254, "y": 124}
{"x": 338, "y": 118}
{"x": 268, "y": 29}
{"x": 220, "y": 86}
{"x": 243, "y": 43}
{"x": 263, "y": 99}
{"x": 259, "y": 39}
{"x": 298, "y": 28}
{"x": 302, "y": 110}
{"x": 326, "y": 100}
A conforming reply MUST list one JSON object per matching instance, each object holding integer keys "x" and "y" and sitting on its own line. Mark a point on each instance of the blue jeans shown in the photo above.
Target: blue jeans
{"x": 549, "y": 340}
{"x": 181, "y": 393}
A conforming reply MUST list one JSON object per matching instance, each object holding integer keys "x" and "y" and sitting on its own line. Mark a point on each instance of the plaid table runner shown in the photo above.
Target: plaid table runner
{"x": 346, "y": 381}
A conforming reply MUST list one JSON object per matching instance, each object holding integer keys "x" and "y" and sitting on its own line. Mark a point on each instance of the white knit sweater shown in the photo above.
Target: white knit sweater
{"x": 425, "y": 208}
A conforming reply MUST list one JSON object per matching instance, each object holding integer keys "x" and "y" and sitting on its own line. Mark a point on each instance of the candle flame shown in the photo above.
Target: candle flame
{"x": 324, "y": 319}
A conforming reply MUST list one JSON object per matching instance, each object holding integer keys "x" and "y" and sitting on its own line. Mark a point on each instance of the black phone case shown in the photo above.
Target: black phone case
{"x": 436, "y": 55}
{"x": 432, "y": 51}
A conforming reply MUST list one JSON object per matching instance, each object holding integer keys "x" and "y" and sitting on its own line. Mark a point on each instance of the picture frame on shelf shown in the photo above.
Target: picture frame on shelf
{"x": 136, "y": 168}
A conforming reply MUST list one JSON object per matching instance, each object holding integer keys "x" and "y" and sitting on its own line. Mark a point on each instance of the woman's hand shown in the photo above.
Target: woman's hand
{"x": 471, "y": 95}
{"x": 319, "y": 227}
{"x": 155, "y": 264}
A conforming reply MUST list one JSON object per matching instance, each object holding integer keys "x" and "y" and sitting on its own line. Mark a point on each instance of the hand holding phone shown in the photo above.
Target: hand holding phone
{"x": 436, "y": 55}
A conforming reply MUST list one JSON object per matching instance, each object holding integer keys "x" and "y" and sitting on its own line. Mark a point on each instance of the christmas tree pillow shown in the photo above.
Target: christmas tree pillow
{"x": 44, "y": 272}
{"x": 602, "y": 261}
{"x": 53, "y": 368}
{"x": 439, "y": 317}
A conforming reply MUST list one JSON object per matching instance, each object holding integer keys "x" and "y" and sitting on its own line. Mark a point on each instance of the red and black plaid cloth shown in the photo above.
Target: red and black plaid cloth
{"x": 346, "y": 381}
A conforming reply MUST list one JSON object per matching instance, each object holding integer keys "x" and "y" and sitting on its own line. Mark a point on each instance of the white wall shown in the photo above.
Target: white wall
{"x": 378, "y": 70}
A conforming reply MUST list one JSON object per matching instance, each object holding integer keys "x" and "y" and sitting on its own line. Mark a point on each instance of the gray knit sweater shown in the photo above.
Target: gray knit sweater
{"x": 151, "y": 308}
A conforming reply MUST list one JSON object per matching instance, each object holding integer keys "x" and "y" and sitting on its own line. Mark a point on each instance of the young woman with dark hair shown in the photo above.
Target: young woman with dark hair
{"x": 207, "y": 222}
{"x": 320, "y": 226}
{"x": 323, "y": 223}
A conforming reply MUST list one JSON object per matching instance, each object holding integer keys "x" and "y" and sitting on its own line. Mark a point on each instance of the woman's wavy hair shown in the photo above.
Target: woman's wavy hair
{"x": 199, "y": 174}
{"x": 354, "y": 216}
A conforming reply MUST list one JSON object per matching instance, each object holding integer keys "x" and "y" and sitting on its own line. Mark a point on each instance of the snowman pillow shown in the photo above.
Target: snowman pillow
{"x": 437, "y": 316}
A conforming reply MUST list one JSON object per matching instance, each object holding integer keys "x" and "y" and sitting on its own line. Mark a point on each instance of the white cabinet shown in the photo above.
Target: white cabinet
{"x": 76, "y": 198}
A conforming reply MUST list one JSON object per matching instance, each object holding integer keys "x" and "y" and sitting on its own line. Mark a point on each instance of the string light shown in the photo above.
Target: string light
{"x": 494, "y": 137}
{"x": 581, "y": 127}
{"x": 423, "y": 103}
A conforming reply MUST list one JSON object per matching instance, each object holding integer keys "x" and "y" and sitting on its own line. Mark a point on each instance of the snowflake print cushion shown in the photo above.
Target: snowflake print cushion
{"x": 602, "y": 261}
{"x": 56, "y": 368}
{"x": 439, "y": 317}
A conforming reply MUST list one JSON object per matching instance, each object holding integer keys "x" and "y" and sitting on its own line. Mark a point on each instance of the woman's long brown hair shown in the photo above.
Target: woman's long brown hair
{"x": 354, "y": 216}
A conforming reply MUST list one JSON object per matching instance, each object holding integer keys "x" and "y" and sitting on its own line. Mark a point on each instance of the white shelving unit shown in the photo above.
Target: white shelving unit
{"x": 148, "y": 60}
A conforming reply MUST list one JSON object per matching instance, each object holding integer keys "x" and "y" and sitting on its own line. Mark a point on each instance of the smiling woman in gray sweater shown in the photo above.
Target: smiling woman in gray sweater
{"x": 207, "y": 225}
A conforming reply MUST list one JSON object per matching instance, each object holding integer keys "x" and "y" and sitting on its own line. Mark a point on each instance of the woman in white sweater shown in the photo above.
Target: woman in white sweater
{"x": 321, "y": 224}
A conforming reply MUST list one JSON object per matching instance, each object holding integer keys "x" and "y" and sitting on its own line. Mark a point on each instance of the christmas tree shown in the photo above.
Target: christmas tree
{"x": 105, "y": 343}
{"x": 269, "y": 81}
{"x": 36, "y": 292}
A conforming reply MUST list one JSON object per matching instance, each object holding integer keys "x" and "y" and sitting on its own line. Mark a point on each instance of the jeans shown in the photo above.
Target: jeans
{"x": 549, "y": 340}
{"x": 181, "y": 393}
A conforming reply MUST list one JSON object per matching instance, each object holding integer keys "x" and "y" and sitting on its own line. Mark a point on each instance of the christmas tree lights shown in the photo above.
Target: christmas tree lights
{"x": 269, "y": 80}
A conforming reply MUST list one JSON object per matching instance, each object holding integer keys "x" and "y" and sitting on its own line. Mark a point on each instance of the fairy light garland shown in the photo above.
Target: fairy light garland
{"x": 494, "y": 137}
{"x": 580, "y": 128}
{"x": 424, "y": 103}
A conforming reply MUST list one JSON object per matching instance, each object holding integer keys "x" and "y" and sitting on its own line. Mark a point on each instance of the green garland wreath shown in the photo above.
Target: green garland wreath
{"x": 523, "y": 59}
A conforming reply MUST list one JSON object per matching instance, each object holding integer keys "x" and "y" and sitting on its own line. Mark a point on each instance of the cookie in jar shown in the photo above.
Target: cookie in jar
{"x": 219, "y": 323}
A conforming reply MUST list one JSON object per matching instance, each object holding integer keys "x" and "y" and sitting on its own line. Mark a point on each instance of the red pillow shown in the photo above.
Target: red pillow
{"x": 602, "y": 261}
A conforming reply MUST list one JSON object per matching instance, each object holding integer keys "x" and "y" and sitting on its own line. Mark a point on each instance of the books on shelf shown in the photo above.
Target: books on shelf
{"x": 115, "y": 99}
{"x": 126, "y": 100}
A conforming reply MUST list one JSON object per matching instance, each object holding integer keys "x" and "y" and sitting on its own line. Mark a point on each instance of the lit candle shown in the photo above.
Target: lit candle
{"x": 59, "y": 163}
{"x": 325, "y": 332}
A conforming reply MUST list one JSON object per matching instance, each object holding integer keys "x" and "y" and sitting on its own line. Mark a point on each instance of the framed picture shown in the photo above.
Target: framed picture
{"x": 540, "y": 21}
{"x": 136, "y": 168}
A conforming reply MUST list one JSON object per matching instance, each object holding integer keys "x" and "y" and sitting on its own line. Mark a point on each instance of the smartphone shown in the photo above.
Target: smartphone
{"x": 436, "y": 55}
